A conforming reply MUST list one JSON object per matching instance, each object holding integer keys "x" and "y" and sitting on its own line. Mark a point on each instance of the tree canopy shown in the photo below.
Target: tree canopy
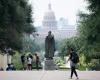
{"x": 89, "y": 27}
{"x": 15, "y": 20}
{"x": 87, "y": 42}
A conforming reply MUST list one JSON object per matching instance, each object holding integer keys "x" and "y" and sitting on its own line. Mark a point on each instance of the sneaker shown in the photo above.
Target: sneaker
{"x": 77, "y": 78}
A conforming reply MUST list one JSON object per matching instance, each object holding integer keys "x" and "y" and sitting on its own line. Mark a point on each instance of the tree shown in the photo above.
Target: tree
{"x": 68, "y": 43}
{"x": 30, "y": 45}
{"x": 15, "y": 20}
{"x": 89, "y": 29}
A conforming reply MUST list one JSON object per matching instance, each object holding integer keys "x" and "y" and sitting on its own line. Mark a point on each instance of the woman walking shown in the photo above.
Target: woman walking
{"x": 74, "y": 59}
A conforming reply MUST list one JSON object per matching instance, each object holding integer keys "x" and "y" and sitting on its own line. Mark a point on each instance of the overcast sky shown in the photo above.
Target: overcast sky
{"x": 62, "y": 8}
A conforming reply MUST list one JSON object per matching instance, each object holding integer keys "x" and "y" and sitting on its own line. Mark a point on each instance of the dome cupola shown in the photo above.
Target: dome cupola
{"x": 49, "y": 20}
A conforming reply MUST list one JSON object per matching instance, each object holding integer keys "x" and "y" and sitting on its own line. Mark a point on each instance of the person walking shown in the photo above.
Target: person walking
{"x": 23, "y": 60}
{"x": 74, "y": 59}
{"x": 37, "y": 61}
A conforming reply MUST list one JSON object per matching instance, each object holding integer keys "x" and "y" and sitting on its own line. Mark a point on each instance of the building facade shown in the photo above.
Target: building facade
{"x": 60, "y": 29}
{"x": 49, "y": 20}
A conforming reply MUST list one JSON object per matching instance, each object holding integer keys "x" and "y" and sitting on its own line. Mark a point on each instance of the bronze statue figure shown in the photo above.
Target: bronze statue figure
{"x": 49, "y": 46}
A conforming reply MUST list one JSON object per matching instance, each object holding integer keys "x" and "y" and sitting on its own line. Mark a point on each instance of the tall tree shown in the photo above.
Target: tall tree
{"x": 89, "y": 29}
{"x": 15, "y": 20}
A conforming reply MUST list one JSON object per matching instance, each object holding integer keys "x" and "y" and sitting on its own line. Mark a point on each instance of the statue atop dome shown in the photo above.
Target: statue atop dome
{"x": 49, "y": 6}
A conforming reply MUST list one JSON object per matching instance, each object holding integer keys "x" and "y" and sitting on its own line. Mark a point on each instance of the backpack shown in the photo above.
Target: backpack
{"x": 75, "y": 58}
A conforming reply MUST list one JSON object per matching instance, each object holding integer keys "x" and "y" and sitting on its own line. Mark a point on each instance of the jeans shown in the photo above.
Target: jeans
{"x": 73, "y": 70}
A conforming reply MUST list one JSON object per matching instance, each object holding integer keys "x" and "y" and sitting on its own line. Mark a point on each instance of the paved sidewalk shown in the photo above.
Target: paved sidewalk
{"x": 48, "y": 75}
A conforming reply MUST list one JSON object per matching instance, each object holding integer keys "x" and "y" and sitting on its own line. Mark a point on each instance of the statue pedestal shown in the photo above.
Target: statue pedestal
{"x": 50, "y": 65}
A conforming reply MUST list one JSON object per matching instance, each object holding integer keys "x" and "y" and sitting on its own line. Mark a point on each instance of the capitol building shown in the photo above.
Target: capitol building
{"x": 49, "y": 20}
{"x": 60, "y": 29}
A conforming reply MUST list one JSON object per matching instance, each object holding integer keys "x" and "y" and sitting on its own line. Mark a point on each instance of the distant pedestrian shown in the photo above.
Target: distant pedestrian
{"x": 74, "y": 59}
{"x": 23, "y": 60}
{"x": 29, "y": 62}
{"x": 37, "y": 61}
{"x": 10, "y": 67}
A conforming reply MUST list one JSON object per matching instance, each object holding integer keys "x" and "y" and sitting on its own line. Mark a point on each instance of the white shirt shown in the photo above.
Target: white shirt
{"x": 29, "y": 60}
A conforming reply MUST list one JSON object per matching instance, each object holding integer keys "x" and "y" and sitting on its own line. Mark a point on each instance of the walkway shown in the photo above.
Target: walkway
{"x": 48, "y": 75}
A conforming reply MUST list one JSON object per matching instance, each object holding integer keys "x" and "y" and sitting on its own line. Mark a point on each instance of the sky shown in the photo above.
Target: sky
{"x": 67, "y": 9}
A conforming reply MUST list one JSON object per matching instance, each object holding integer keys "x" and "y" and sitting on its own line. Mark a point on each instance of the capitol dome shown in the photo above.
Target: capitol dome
{"x": 49, "y": 20}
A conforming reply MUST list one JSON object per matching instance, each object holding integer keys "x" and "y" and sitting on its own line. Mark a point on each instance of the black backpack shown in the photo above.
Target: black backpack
{"x": 75, "y": 58}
